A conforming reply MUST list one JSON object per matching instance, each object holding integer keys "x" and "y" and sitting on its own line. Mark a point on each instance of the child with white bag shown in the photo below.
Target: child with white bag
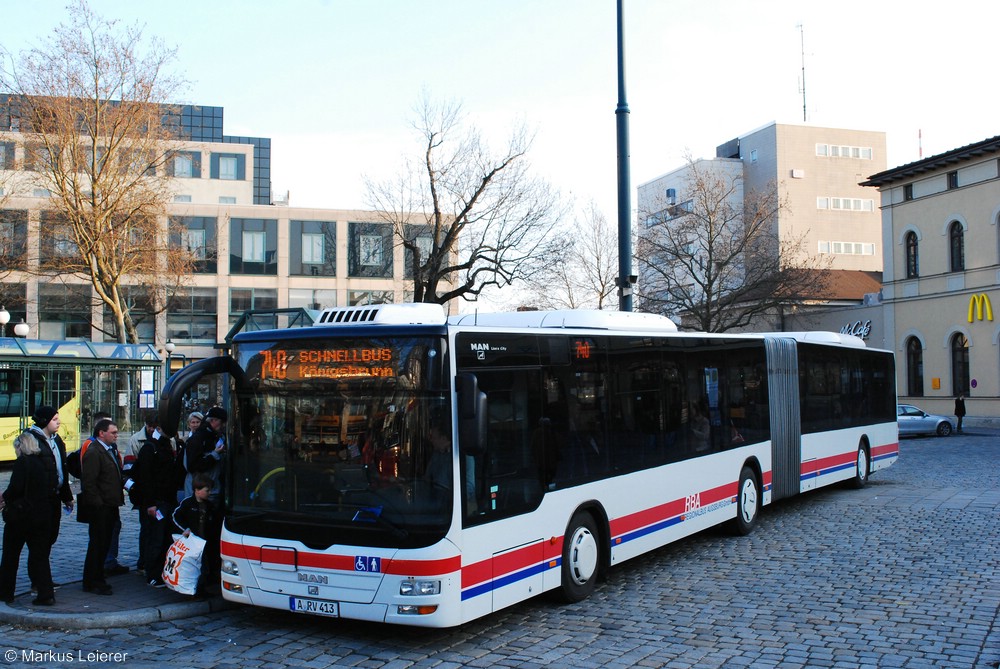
{"x": 198, "y": 545}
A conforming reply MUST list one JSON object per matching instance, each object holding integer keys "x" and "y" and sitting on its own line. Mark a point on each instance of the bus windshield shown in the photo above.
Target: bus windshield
{"x": 342, "y": 441}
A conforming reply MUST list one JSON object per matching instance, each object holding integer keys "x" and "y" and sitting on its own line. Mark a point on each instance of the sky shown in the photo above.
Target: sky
{"x": 334, "y": 83}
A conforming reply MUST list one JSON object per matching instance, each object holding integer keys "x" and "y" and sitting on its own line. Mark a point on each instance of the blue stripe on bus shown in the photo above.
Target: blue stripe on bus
{"x": 513, "y": 577}
{"x": 638, "y": 534}
{"x": 824, "y": 472}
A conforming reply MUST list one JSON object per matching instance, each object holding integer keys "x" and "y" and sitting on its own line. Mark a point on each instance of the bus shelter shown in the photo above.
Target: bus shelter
{"x": 79, "y": 378}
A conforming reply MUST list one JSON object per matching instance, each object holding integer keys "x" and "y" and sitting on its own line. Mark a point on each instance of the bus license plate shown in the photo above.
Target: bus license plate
{"x": 314, "y": 606}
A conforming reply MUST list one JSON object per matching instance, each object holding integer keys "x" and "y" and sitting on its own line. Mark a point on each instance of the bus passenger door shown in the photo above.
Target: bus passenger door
{"x": 508, "y": 473}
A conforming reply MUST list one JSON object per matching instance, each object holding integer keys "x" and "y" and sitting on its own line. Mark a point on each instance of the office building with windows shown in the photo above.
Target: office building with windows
{"x": 249, "y": 254}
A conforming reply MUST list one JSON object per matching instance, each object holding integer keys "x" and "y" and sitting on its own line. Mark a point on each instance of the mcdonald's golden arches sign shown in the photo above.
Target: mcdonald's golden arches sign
{"x": 979, "y": 306}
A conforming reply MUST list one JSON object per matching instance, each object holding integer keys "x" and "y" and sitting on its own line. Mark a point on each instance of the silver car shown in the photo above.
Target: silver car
{"x": 913, "y": 420}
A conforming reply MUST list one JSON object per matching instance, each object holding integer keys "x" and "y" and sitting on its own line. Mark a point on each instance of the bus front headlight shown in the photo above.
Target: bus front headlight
{"x": 412, "y": 586}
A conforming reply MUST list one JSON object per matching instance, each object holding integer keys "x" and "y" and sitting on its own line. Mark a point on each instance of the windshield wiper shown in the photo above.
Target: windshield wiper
{"x": 373, "y": 514}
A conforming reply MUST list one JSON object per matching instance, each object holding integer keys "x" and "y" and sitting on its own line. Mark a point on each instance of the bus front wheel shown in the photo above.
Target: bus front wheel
{"x": 748, "y": 502}
{"x": 580, "y": 558}
{"x": 861, "y": 469}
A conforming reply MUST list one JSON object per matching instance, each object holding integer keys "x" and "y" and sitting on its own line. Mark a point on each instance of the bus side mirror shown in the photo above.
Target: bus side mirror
{"x": 471, "y": 415}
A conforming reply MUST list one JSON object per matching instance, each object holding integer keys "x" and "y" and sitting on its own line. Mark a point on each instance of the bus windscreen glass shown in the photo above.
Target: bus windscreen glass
{"x": 342, "y": 441}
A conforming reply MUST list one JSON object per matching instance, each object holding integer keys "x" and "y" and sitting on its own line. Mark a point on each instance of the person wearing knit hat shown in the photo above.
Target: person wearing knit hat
{"x": 43, "y": 416}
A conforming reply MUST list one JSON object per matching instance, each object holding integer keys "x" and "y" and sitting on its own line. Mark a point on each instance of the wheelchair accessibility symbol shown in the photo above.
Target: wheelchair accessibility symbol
{"x": 368, "y": 564}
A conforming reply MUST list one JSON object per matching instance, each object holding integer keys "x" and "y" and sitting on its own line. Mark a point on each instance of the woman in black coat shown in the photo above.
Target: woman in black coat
{"x": 28, "y": 513}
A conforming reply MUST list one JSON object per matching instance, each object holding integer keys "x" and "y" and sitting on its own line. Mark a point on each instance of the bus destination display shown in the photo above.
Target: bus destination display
{"x": 327, "y": 363}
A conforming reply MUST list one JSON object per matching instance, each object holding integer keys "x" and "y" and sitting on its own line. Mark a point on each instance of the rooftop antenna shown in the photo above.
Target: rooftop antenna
{"x": 920, "y": 143}
{"x": 802, "y": 39}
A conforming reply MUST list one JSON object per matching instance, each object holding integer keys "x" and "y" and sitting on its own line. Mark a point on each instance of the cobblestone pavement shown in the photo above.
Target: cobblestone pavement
{"x": 904, "y": 573}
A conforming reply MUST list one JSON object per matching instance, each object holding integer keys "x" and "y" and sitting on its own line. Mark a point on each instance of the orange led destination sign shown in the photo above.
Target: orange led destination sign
{"x": 327, "y": 363}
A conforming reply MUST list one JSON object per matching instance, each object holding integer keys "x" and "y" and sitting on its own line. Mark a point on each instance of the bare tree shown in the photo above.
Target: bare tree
{"x": 584, "y": 277}
{"x": 716, "y": 259}
{"x": 467, "y": 218}
{"x": 89, "y": 105}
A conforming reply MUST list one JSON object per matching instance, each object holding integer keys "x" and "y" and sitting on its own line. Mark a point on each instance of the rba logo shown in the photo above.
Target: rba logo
{"x": 979, "y": 305}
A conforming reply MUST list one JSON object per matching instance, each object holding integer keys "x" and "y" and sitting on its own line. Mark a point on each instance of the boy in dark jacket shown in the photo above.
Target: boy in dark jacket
{"x": 198, "y": 515}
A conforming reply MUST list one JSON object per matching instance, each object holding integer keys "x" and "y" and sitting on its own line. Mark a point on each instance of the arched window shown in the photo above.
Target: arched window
{"x": 959, "y": 365}
{"x": 956, "y": 238}
{"x": 914, "y": 368}
{"x": 912, "y": 261}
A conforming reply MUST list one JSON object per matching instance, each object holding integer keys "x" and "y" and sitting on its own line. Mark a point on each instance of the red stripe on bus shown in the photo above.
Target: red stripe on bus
{"x": 310, "y": 560}
{"x": 512, "y": 562}
{"x": 821, "y": 464}
{"x": 672, "y": 509}
{"x": 885, "y": 450}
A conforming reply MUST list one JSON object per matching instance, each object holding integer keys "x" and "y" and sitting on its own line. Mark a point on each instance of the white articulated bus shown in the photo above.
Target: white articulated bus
{"x": 391, "y": 464}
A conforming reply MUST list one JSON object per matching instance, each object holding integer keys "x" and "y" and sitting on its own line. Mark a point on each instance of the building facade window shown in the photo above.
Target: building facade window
{"x": 912, "y": 255}
{"x": 357, "y": 298}
{"x": 914, "y": 367}
{"x": 254, "y": 246}
{"x": 254, "y": 243}
{"x": 253, "y": 299}
{"x": 13, "y": 239}
{"x": 952, "y": 180}
{"x": 956, "y": 245}
{"x": 369, "y": 250}
{"x": 423, "y": 238}
{"x": 140, "y": 309}
{"x": 840, "y": 151}
{"x": 959, "y": 365}
{"x": 847, "y": 248}
{"x": 191, "y": 316}
{"x": 313, "y": 248}
{"x": 6, "y": 155}
{"x": 197, "y": 235}
{"x": 907, "y": 192}
{"x": 185, "y": 165}
{"x": 64, "y": 311}
{"x": 845, "y": 203}
{"x": 307, "y": 298}
{"x": 228, "y": 166}
{"x": 13, "y": 299}
{"x": 58, "y": 244}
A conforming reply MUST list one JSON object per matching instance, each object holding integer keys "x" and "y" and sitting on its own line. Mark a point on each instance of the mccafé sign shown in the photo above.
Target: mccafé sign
{"x": 979, "y": 306}
{"x": 858, "y": 329}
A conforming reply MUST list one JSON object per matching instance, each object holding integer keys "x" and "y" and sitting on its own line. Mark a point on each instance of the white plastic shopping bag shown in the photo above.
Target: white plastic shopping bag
{"x": 183, "y": 565}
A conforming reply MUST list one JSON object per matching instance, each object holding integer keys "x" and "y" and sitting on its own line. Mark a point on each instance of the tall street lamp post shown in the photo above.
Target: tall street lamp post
{"x": 4, "y": 319}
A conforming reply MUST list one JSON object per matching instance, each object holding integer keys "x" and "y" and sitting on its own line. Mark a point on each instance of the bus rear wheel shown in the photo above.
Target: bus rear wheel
{"x": 747, "y": 503}
{"x": 580, "y": 558}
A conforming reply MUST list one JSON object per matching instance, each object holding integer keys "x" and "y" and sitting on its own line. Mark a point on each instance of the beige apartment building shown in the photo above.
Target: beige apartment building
{"x": 941, "y": 231}
{"x": 817, "y": 173}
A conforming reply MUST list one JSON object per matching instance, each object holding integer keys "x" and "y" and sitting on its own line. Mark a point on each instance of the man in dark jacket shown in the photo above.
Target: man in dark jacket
{"x": 101, "y": 492}
{"x": 155, "y": 492}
